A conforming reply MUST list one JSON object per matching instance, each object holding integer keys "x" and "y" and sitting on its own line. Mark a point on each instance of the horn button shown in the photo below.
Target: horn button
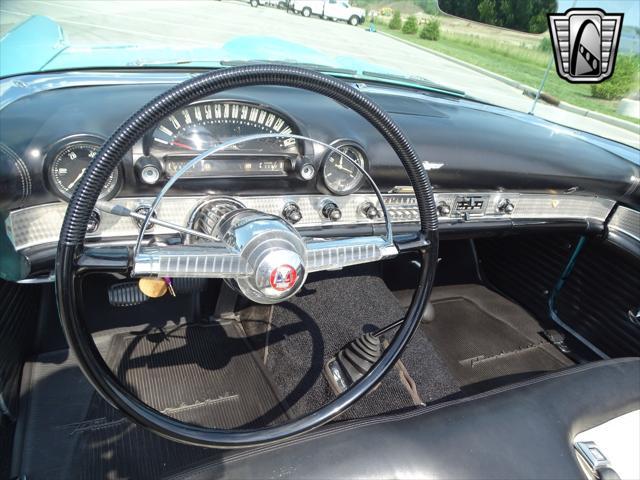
{"x": 272, "y": 248}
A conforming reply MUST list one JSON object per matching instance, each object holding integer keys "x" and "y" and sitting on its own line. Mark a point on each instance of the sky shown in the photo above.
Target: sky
{"x": 630, "y": 8}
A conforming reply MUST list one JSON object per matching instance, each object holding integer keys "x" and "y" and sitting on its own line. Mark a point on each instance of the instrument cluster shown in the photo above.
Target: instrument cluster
{"x": 170, "y": 145}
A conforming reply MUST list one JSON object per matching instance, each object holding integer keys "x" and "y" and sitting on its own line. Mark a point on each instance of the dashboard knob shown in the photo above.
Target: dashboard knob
{"x": 291, "y": 213}
{"x": 94, "y": 222}
{"x": 307, "y": 172}
{"x": 331, "y": 211}
{"x": 149, "y": 170}
{"x": 143, "y": 210}
{"x": 505, "y": 206}
{"x": 369, "y": 210}
{"x": 443, "y": 209}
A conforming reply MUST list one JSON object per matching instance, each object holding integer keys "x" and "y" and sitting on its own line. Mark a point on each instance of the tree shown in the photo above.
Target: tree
{"x": 410, "y": 26}
{"x": 523, "y": 15}
{"x": 428, "y": 6}
{"x": 431, "y": 30}
{"x": 487, "y": 11}
{"x": 396, "y": 22}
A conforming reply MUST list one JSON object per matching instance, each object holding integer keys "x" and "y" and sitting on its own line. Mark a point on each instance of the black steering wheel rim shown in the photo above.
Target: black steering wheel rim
{"x": 71, "y": 245}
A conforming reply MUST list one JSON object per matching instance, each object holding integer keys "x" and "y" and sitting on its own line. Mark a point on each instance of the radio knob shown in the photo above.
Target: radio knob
{"x": 291, "y": 213}
{"x": 369, "y": 210}
{"x": 443, "y": 209}
{"x": 505, "y": 206}
{"x": 331, "y": 211}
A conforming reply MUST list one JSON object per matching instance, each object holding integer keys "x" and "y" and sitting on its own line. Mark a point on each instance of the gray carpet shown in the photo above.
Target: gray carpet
{"x": 330, "y": 311}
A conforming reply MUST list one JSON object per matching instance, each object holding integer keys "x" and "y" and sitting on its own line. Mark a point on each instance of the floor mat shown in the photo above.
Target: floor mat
{"x": 188, "y": 372}
{"x": 331, "y": 310}
{"x": 487, "y": 340}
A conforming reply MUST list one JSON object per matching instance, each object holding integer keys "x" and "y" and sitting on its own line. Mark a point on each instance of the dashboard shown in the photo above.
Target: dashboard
{"x": 493, "y": 170}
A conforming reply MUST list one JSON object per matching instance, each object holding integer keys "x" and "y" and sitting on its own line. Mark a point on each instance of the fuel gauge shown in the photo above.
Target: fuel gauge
{"x": 69, "y": 162}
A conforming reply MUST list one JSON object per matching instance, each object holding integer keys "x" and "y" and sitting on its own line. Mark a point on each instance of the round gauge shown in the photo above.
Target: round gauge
{"x": 69, "y": 164}
{"x": 340, "y": 175}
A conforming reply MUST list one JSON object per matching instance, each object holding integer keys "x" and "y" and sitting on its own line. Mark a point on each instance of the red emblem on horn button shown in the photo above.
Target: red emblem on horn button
{"x": 283, "y": 277}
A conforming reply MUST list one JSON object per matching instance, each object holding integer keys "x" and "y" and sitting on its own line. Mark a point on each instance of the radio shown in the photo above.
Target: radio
{"x": 470, "y": 205}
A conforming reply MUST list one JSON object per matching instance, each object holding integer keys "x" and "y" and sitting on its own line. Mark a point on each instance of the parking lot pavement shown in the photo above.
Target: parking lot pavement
{"x": 212, "y": 23}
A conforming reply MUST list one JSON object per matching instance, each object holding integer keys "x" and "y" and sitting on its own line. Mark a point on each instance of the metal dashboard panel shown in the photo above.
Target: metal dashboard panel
{"x": 41, "y": 224}
{"x": 626, "y": 221}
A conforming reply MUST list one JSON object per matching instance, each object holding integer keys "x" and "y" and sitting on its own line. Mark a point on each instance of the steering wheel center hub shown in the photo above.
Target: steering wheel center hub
{"x": 272, "y": 249}
{"x": 280, "y": 274}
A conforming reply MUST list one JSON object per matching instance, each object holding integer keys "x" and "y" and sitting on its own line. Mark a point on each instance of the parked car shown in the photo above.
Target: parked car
{"x": 269, "y": 3}
{"x": 333, "y": 9}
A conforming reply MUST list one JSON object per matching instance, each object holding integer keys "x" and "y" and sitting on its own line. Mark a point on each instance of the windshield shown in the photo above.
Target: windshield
{"x": 497, "y": 52}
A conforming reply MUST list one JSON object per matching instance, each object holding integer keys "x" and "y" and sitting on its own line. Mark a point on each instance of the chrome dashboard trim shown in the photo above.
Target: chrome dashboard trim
{"x": 627, "y": 221}
{"x": 40, "y": 225}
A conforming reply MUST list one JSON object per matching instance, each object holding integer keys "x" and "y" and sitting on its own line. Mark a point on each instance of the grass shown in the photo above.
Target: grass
{"x": 523, "y": 64}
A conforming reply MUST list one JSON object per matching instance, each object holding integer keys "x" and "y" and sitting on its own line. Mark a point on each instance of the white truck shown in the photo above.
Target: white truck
{"x": 330, "y": 9}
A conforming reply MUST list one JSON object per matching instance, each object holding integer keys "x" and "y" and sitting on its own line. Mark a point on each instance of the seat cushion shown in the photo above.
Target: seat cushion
{"x": 520, "y": 431}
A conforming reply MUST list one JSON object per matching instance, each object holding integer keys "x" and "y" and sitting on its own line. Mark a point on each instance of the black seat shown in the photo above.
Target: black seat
{"x": 521, "y": 431}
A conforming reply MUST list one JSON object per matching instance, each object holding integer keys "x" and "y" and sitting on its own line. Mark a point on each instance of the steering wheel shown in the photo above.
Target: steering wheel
{"x": 249, "y": 249}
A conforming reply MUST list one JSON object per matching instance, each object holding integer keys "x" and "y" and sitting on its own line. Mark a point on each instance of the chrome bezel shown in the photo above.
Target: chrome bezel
{"x": 53, "y": 153}
{"x": 300, "y": 150}
{"x": 339, "y": 144}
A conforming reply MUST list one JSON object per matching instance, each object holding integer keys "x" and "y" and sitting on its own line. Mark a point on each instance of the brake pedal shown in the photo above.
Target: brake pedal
{"x": 127, "y": 294}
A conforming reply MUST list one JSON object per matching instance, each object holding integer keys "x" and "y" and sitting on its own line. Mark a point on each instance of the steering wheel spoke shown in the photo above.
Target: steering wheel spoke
{"x": 328, "y": 254}
{"x": 103, "y": 259}
{"x": 204, "y": 260}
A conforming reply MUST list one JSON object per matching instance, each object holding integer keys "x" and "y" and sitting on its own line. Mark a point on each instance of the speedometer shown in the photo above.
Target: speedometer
{"x": 201, "y": 126}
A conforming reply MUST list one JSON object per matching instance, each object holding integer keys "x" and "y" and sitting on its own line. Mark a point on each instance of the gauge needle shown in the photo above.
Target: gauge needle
{"x": 77, "y": 178}
{"x": 182, "y": 145}
{"x": 344, "y": 169}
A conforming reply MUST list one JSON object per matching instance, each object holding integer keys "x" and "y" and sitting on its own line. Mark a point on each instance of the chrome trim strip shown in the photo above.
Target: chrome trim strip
{"x": 627, "y": 221}
{"x": 41, "y": 224}
{"x": 210, "y": 261}
{"x": 336, "y": 254}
